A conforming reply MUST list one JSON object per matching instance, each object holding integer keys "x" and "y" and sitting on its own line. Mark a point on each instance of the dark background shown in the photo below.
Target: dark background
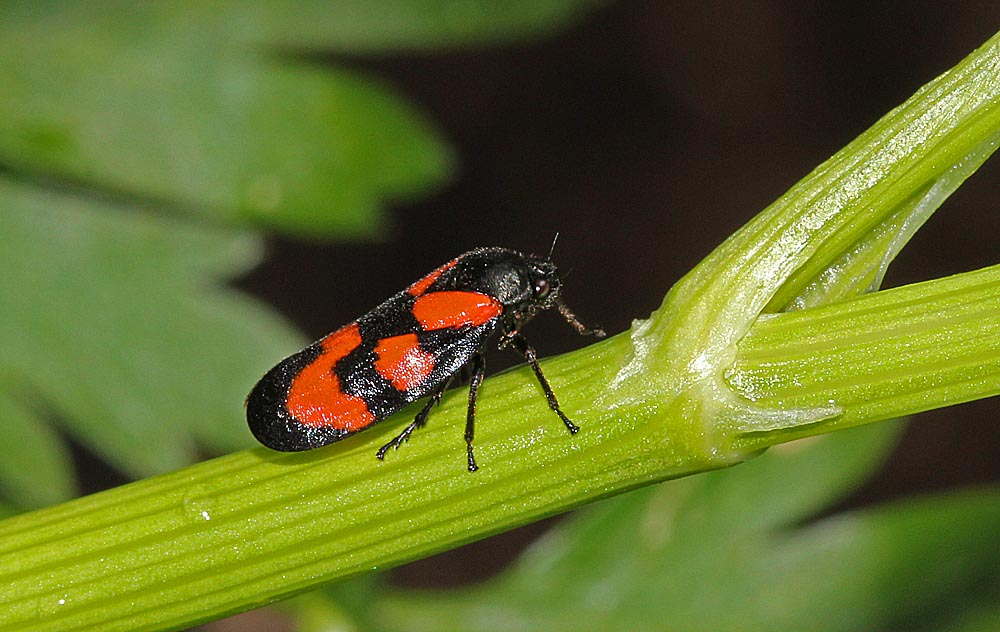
{"x": 645, "y": 135}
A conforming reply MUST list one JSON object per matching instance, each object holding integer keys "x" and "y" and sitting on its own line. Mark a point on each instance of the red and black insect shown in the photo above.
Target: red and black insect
{"x": 409, "y": 347}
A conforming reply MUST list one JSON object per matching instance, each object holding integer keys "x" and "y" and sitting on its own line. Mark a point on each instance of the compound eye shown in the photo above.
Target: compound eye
{"x": 542, "y": 287}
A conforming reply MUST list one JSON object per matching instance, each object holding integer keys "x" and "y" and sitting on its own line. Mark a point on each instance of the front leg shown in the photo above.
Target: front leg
{"x": 516, "y": 339}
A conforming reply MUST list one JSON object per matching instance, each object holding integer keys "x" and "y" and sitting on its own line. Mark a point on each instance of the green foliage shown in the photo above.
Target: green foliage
{"x": 116, "y": 324}
{"x": 34, "y": 466}
{"x": 214, "y": 109}
{"x": 175, "y": 107}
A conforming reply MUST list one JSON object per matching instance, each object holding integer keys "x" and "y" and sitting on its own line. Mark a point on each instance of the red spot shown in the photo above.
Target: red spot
{"x": 315, "y": 398}
{"x": 402, "y": 362}
{"x": 440, "y": 310}
{"x": 421, "y": 286}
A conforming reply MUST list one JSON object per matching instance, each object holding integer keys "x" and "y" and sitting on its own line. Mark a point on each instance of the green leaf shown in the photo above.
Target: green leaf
{"x": 977, "y": 617}
{"x": 34, "y": 464}
{"x": 202, "y": 108}
{"x": 385, "y": 25}
{"x": 213, "y": 131}
{"x": 114, "y": 320}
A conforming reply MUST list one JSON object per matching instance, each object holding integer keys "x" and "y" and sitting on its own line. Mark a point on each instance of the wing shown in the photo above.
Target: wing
{"x": 300, "y": 404}
{"x": 407, "y": 367}
{"x": 369, "y": 369}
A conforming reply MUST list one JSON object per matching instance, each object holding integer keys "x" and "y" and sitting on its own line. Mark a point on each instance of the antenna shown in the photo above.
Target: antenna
{"x": 552, "y": 248}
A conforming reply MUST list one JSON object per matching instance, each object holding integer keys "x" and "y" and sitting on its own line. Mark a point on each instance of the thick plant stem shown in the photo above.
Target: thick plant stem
{"x": 705, "y": 382}
{"x": 888, "y": 354}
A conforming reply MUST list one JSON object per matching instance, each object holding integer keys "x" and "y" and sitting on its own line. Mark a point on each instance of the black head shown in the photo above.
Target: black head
{"x": 523, "y": 284}
{"x": 544, "y": 282}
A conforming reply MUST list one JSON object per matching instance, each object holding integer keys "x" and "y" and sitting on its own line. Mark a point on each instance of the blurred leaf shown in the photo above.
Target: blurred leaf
{"x": 915, "y": 566}
{"x": 114, "y": 320}
{"x": 315, "y": 612}
{"x": 201, "y": 107}
{"x": 378, "y": 25}
{"x": 723, "y": 551}
{"x": 977, "y": 618}
{"x": 35, "y": 468}
{"x": 166, "y": 115}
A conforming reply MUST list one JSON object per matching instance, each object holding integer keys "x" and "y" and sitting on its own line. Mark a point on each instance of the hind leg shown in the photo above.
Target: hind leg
{"x": 418, "y": 421}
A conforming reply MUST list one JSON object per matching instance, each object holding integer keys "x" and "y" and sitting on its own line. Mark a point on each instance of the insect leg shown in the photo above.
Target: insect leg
{"x": 580, "y": 328}
{"x": 418, "y": 421}
{"x": 529, "y": 354}
{"x": 478, "y": 371}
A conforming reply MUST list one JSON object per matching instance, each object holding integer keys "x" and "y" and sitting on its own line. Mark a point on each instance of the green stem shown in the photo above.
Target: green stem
{"x": 704, "y": 383}
{"x": 884, "y": 355}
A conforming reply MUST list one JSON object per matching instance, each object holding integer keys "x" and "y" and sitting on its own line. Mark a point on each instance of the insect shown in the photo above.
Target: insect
{"x": 409, "y": 347}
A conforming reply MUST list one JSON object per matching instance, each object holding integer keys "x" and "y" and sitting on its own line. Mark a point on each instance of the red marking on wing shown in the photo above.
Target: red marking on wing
{"x": 440, "y": 310}
{"x": 315, "y": 397}
{"x": 403, "y": 362}
{"x": 421, "y": 286}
